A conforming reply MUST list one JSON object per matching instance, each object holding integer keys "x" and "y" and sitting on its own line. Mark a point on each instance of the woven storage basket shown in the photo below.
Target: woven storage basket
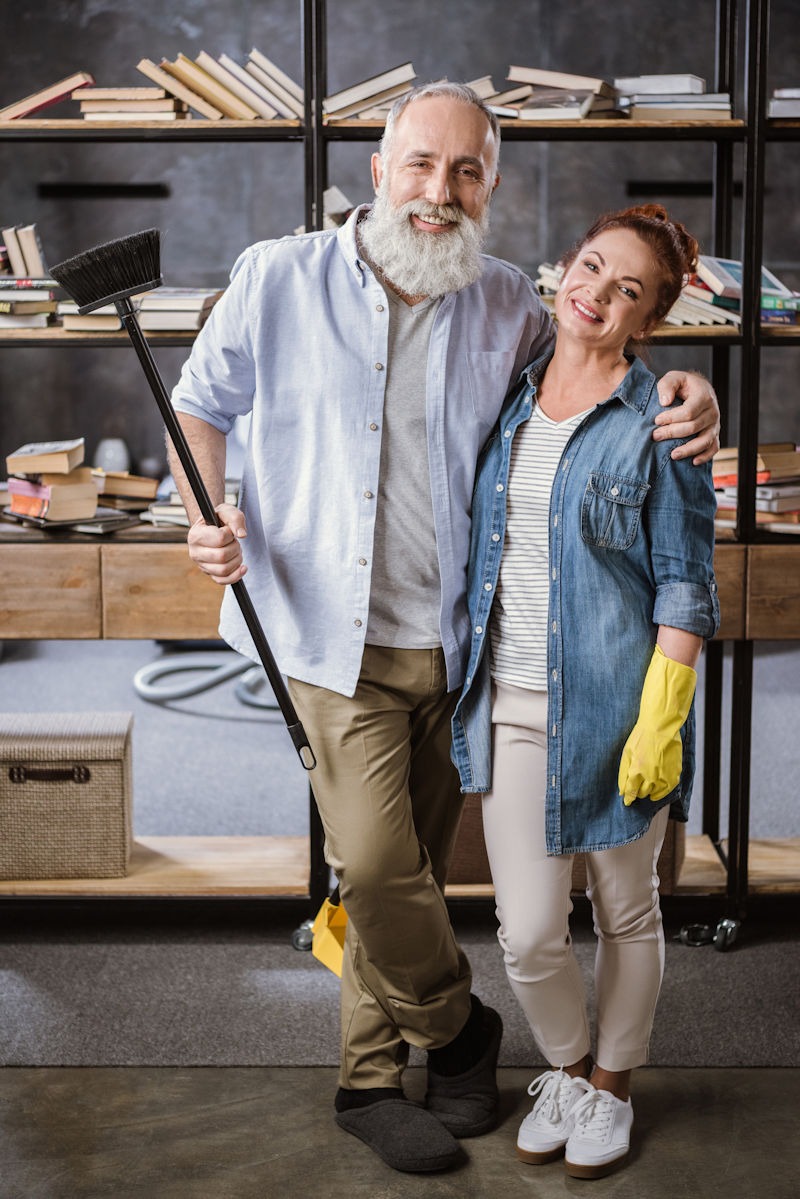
{"x": 65, "y": 794}
{"x": 471, "y": 865}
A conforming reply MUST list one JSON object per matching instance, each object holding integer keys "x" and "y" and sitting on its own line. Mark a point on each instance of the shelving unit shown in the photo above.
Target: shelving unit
{"x": 756, "y": 548}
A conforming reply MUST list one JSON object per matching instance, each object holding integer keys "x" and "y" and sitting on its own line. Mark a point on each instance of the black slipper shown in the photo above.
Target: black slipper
{"x": 466, "y": 1104}
{"x": 404, "y": 1135}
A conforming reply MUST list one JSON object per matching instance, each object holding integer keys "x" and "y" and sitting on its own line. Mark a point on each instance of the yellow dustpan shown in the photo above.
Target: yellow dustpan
{"x": 327, "y": 933}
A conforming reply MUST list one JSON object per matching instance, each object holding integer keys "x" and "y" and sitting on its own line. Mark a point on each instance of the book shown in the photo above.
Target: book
{"x": 786, "y": 93}
{"x": 724, "y": 512}
{"x": 783, "y": 108}
{"x": 176, "y": 299}
{"x": 235, "y": 85}
{"x": 176, "y": 88}
{"x": 26, "y": 307}
{"x": 14, "y": 288}
{"x": 209, "y": 88}
{"x": 283, "y": 81}
{"x": 483, "y": 87}
{"x": 660, "y": 84}
{"x": 651, "y": 112}
{"x": 790, "y": 303}
{"x": 70, "y": 496}
{"x": 768, "y": 316}
{"x": 544, "y": 78}
{"x": 176, "y": 115}
{"x": 31, "y": 246}
{"x": 383, "y": 99}
{"x": 123, "y": 93}
{"x": 61, "y": 90}
{"x": 37, "y": 320}
{"x": 123, "y": 484}
{"x": 701, "y": 291}
{"x": 512, "y": 95}
{"x": 724, "y": 277}
{"x": 680, "y": 99}
{"x": 369, "y": 89}
{"x": 90, "y": 322}
{"x": 105, "y": 520}
{"x": 172, "y": 319}
{"x": 53, "y": 456}
{"x": 285, "y": 104}
{"x": 247, "y": 79}
{"x": 16, "y": 256}
{"x": 162, "y": 104}
{"x": 780, "y": 497}
{"x": 567, "y": 106}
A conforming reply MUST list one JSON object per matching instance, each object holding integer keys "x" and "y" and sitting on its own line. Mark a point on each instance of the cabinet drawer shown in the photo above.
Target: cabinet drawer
{"x": 730, "y": 568}
{"x": 50, "y": 592}
{"x": 773, "y": 592}
{"x": 155, "y": 591}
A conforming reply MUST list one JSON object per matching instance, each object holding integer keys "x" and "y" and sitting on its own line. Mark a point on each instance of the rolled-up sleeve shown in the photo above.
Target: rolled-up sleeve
{"x": 681, "y": 511}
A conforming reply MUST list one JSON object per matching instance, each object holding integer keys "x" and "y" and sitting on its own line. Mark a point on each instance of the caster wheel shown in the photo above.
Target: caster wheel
{"x": 302, "y": 936}
{"x": 726, "y": 933}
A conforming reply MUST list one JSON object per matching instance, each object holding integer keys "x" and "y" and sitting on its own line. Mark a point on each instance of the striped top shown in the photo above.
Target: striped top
{"x": 518, "y": 626}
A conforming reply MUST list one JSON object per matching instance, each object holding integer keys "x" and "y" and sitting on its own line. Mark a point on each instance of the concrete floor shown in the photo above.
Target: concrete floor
{"x": 253, "y": 1133}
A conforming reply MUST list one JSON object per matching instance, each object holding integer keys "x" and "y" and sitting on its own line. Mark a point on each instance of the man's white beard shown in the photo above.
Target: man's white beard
{"x": 419, "y": 263}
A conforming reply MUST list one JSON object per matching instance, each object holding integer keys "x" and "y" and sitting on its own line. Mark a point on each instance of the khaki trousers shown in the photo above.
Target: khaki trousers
{"x": 390, "y": 803}
{"x": 532, "y": 892}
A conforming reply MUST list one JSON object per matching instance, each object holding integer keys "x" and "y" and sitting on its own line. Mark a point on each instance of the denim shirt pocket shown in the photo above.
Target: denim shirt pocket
{"x": 611, "y": 510}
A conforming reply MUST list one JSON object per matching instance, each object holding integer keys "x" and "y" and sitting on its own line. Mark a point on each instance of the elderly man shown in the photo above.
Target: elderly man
{"x": 374, "y": 361}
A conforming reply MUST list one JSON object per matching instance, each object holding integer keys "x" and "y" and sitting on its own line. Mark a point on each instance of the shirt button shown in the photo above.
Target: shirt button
{"x": 378, "y": 366}
{"x": 495, "y": 536}
{"x": 373, "y": 427}
{"x": 487, "y": 586}
{"x": 555, "y": 674}
{"x": 478, "y": 628}
{"x": 357, "y": 623}
{"x": 379, "y": 307}
{"x": 507, "y": 433}
{"x": 555, "y": 626}
{"x": 500, "y": 487}
{"x": 554, "y": 572}
{"x": 362, "y": 562}
{"x": 367, "y": 495}
{"x": 553, "y": 779}
{"x": 554, "y": 730}
{"x": 615, "y": 490}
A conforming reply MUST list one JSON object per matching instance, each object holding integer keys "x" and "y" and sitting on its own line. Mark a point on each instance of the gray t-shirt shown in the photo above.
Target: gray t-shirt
{"x": 405, "y": 594}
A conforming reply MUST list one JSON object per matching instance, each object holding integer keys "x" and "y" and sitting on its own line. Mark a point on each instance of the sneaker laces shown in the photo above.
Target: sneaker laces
{"x": 593, "y": 1114}
{"x": 555, "y": 1094}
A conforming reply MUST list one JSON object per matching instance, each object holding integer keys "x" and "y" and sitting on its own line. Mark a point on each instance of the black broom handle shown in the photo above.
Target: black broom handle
{"x": 296, "y": 732}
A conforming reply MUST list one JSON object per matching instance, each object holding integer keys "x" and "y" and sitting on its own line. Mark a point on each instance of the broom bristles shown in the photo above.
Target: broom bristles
{"x": 111, "y": 271}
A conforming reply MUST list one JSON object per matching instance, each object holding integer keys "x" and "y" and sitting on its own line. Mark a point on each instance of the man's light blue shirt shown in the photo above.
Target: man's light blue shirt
{"x": 299, "y": 340}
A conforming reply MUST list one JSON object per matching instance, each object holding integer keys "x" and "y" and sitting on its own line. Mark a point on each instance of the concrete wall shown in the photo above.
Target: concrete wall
{"x": 222, "y": 197}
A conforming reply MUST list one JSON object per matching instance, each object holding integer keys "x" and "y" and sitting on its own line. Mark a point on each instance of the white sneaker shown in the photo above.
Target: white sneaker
{"x": 546, "y": 1129}
{"x": 601, "y": 1134}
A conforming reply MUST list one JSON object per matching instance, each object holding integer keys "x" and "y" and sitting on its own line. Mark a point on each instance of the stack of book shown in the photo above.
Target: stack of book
{"x": 101, "y": 320}
{"x": 370, "y": 99}
{"x": 124, "y": 491}
{"x": 47, "y": 483}
{"x": 176, "y": 308}
{"x": 26, "y": 303}
{"x": 777, "y": 486}
{"x": 131, "y": 104}
{"x": 671, "y": 98}
{"x": 170, "y": 509}
{"x": 785, "y": 103}
{"x": 54, "y": 93}
{"x": 336, "y": 208}
{"x": 222, "y": 88}
{"x": 554, "y": 96}
{"x": 722, "y": 278}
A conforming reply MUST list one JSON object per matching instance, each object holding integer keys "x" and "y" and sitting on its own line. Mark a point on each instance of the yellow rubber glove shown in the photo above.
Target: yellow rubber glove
{"x": 653, "y": 755}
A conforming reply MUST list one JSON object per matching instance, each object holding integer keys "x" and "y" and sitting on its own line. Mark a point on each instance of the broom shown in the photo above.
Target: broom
{"x": 110, "y": 274}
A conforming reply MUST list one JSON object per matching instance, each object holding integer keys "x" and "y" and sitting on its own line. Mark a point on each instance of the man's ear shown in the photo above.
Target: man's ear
{"x": 496, "y": 183}
{"x": 377, "y": 170}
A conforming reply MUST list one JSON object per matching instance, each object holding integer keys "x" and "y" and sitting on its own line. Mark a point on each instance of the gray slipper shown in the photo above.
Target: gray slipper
{"x": 404, "y": 1135}
{"x": 466, "y": 1104}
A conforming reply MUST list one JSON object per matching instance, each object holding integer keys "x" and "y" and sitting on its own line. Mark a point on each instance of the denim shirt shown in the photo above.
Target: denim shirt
{"x": 631, "y": 548}
{"x": 300, "y": 340}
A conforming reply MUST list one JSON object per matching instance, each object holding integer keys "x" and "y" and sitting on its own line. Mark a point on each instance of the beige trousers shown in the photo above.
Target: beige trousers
{"x": 533, "y": 905}
{"x": 390, "y": 803}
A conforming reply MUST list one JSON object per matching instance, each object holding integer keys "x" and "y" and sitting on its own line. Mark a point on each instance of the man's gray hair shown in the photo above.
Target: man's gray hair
{"x": 442, "y": 87}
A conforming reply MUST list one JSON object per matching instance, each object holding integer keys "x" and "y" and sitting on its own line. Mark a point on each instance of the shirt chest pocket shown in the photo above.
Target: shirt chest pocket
{"x": 612, "y": 510}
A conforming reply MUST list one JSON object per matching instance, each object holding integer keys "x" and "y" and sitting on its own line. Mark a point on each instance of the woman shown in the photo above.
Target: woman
{"x": 591, "y": 576}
